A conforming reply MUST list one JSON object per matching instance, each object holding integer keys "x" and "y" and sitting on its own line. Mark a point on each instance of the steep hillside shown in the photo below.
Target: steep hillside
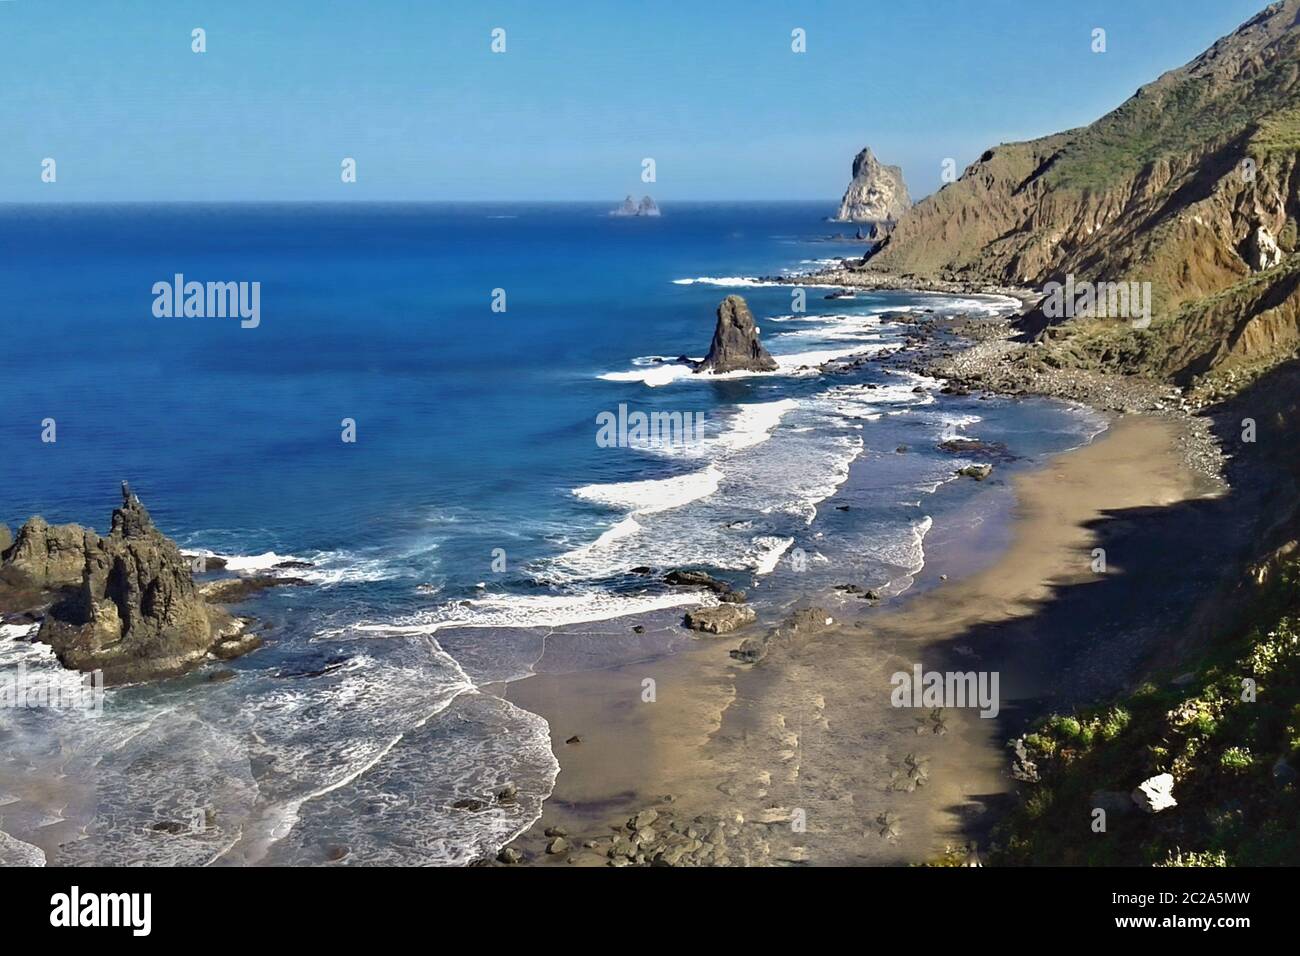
{"x": 1191, "y": 185}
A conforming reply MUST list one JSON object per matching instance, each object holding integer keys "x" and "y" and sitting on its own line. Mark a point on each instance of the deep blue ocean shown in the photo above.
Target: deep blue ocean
{"x": 474, "y": 512}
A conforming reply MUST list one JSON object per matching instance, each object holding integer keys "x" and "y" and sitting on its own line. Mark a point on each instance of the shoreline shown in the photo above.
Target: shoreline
{"x": 731, "y": 749}
{"x": 734, "y": 749}
{"x": 845, "y": 277}
{"x": 1177, "y": 459}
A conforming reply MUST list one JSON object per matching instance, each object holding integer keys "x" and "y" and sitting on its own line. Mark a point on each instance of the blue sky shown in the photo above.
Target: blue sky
{"x": 584, "y": 91}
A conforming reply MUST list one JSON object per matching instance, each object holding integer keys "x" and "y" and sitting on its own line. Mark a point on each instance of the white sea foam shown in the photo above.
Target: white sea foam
{"x": 753, "y": 424}
{"x": 14, "y": 852}
{"x": 18, "y": 648}
{"x": 769, "y": 553}
{"x": 906, "y": 554}
{"x": 653, "y": 376}
{"x": 743, "y": 427}
{"x": 580, "y": 606}
{"x": 789, "y": 364}
{"x": 623, "y": 529}
{"x": 834, "y": 326}
{"x": 327, "y": 567}
{"x": 738, "y": 282}
{"x": 17, "y": 632}
{"x": 910, "y": 555}
{"x": 402, "y": 811}
{"x": 649, "y": 497}
{"x": 810, "y": 361}
{"x": 257, "y": 756}
{"x": 977, "y": 304}
{"x": 253, "y": 562}
{"x": 952, "y": 424}
{"x": 343, "y": 567}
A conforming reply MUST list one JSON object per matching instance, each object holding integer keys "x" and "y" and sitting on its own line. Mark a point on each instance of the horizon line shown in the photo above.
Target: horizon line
{"x": 376, "y": 201}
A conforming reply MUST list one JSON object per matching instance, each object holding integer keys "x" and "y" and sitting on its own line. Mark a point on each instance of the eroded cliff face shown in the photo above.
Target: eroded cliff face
{"x": 1191, "y": 185}
{"x": 876, "y": 193}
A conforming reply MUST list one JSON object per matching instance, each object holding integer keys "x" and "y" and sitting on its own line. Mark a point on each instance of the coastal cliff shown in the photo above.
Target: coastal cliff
{"x": 1191, "y": 185}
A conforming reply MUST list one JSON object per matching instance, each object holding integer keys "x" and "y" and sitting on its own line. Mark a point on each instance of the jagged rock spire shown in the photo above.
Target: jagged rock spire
{"x": 735, "y": 344}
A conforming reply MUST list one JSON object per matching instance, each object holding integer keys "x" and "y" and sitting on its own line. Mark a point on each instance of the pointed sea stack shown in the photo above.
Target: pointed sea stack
{"x": 136, "y": 613}
{"x": 735, "y": 345}
{"x": 876, "y": 194}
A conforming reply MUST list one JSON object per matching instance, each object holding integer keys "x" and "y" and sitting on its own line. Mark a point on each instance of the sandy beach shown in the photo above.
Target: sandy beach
{"x": 802, "y": 758}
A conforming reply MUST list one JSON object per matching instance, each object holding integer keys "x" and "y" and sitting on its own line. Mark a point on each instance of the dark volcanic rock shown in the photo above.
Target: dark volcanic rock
{"x": 234, "y": 590}
{"x": 137, "y": 613}
{"x": 701, "y": 579}
{"x": 751, "y": 650}
{"x": 735, "y": 346}
{"x": 974, "y": 448}
{"x": 235, "y": 643}
{"x": 720, "y": 619}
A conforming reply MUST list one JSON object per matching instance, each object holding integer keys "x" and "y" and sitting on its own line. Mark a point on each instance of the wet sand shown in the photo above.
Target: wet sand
{"x": 803, "y": 754}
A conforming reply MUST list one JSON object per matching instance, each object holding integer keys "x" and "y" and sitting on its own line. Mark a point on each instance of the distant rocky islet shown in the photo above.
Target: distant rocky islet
{"x": 630, "y": 207}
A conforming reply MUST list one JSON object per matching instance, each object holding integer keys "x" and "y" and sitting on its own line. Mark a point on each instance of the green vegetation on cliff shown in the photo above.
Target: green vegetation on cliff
{"x": 1227, "y": 728}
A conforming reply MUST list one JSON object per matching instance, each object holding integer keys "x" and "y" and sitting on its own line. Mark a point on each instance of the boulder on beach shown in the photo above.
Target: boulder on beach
{"x": 720, "y": 619}
{"x": 735, "y": 346}
{"x": 751, "y": 650}
{"x": 978, "y": 472}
